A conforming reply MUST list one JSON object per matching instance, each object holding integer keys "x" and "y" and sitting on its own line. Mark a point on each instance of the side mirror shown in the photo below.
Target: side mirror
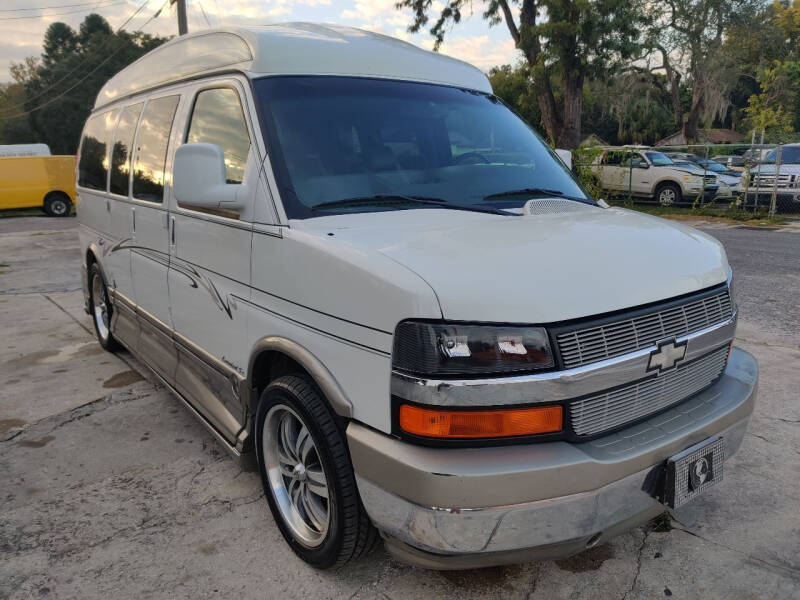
{"x": 643, "y": 165}
{"x": 198, "y": 179}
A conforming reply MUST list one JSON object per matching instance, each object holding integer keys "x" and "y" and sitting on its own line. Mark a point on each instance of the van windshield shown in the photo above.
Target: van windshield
{"x": 333, "y": 139}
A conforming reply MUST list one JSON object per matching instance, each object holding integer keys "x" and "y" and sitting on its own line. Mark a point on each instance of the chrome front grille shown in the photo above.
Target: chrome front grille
{"x": 592, "y": 344}
{"x": 767, "y": 180}
{"x": 603, "y": 412}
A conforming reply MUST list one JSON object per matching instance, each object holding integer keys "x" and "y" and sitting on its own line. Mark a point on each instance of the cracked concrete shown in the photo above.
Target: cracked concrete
{"x": 109, "y": 488}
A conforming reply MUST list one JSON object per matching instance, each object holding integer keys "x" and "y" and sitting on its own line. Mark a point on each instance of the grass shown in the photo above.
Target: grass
{"x": 711, "y": 212}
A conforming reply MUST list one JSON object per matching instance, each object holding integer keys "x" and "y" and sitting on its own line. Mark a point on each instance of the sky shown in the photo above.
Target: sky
{"x": 472, "y": 40}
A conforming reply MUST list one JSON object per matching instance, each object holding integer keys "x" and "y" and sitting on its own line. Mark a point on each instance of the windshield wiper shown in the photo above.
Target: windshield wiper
{"x": 537, "y": 192}
{"x": 379, "y": 199}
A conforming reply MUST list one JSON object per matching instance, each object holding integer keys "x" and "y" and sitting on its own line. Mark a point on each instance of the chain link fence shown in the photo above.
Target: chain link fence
{"x": 763, "y": 179}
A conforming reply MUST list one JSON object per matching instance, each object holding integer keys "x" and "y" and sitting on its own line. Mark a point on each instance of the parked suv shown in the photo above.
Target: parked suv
{"x": 783, "y": 179}
{"x": 353, "y": 262}
{"x": 728, "y": 181}
{"x": 653, "y": 175}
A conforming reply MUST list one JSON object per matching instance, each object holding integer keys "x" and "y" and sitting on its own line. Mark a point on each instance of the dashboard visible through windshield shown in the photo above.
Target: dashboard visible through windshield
{"x": 335, "y": 139}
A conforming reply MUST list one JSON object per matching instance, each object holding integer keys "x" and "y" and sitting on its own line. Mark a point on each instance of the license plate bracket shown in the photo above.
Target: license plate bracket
{"x": 693, "y": 471}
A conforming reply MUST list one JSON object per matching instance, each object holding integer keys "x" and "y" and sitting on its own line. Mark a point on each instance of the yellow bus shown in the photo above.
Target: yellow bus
{"x": 43, "y": 181}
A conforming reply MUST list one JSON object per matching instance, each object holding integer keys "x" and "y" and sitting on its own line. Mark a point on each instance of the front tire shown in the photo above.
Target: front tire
{"x": 101, "y": 309}
{"x": 669, "y": 194}
{"x": 57, "y": 204}
{"x": 308, "y": 477}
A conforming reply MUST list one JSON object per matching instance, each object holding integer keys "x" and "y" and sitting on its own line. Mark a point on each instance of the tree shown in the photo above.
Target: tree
{"x": 513, "y": 85}
{"x": 561, "y": 40}
{"x": 60, "y": 89}
{"x": 689, "y": 36}
{"x": 776, "y": 108}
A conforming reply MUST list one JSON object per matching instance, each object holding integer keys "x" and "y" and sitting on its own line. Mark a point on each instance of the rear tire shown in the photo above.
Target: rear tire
{"x": 308, "y": 477}
{"x": 669, "y": 194}
{"x": 101, "y": 309}
{"x": 57, "y": 204}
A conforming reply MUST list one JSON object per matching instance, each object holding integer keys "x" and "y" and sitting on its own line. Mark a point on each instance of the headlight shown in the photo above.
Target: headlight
{"x": 457, "y": 349}
{"x": 692, "y": 179}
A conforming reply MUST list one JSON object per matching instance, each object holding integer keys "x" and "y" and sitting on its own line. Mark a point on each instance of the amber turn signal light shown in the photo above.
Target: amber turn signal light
{"x": 466, "y": 424}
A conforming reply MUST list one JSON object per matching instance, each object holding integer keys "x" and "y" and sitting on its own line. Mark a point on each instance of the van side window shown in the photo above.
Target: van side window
{"x": 218, "y": 119}
{"x": 121, "y": 151}
{"x": 93, "y": 166}
{"x": 151, "y": 148}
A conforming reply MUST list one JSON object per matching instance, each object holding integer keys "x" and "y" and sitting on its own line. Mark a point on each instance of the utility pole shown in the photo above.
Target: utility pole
{"x": 183, "y": 29}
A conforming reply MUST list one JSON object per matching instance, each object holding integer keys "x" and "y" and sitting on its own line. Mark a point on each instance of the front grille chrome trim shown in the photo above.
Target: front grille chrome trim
{"x": 554, "y": 386}
{"x": 594, "y": 343}
{"x": 616, "y": 408}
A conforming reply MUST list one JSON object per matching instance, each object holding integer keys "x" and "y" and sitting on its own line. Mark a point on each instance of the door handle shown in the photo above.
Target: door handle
{"x": 133, "y": 219}
{"x": 172, "y": 231}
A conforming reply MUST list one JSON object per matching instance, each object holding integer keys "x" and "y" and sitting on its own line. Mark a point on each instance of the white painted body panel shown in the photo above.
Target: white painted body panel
{"x": 290, "y": 49}
{"x": 24, "y": 150}
{"x": 537, "y": 269}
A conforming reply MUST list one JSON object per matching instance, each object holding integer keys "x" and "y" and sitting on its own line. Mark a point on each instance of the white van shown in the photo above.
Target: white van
{"x": 353, "y": 262}
{"x": 16, "y": 150}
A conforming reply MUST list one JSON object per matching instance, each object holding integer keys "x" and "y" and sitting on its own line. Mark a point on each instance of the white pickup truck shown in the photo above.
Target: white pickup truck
{"x": 653, "y": 175}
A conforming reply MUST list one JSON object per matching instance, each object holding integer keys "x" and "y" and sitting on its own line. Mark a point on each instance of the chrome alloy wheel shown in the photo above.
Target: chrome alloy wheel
{"x": 667, "y": 196}
{"x": 100, "y": 307}
{"x": 296, "y": 475}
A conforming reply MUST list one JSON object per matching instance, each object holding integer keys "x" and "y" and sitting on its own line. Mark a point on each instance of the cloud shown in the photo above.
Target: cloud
{"x": 480, "y": 50}
{"x": 369, "y": 9}
{"x": 472, "y": 40}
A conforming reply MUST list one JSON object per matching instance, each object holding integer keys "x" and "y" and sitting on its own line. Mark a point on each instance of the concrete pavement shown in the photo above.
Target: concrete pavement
{"x": 109, "y": 488}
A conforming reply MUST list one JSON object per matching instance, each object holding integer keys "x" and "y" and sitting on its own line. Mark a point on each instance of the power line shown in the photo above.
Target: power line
{"x": 203, "y": 10}
{"x": 61, "y": 14}
{"x": 3, "y": 10}
{"x": 82, "y": 79}
{"x": 83, "y": 63}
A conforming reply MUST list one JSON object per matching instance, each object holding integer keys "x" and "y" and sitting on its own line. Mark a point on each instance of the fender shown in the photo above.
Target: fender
{"x": 95, "y": 250}
{"x": 319, "y": 373}
{"x": 666, "y": 179}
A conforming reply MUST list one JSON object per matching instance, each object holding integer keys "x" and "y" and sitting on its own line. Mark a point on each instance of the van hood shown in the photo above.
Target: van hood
{"x": 537, "y": 268}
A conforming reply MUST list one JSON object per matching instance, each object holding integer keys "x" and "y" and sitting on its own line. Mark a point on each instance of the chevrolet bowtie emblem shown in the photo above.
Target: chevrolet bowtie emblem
{"x": 666, "y": 356}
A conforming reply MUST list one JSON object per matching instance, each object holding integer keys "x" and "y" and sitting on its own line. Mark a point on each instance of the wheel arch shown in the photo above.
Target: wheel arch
{"x": 274, "y": 356}
{"x": 666, "y": 181}
{"x": 57, "y": 193}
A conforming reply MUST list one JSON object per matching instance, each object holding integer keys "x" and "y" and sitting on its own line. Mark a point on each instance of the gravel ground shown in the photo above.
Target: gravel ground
{"x": 111, "y": 489}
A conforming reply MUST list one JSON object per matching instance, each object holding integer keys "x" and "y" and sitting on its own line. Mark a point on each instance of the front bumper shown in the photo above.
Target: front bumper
{"x": 707, "y": 194}
{"x": 471, "y": 507}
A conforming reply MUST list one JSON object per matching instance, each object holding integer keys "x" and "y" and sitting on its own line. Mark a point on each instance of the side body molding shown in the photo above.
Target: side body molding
{"x": 322, "y": 377}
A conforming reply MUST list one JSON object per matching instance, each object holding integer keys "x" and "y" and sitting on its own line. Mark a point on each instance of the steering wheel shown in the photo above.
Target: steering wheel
{"x": 471, "y": 158}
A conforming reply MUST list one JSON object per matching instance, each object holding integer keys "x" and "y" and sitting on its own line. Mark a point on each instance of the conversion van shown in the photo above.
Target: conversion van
{"x": 352, "y": 262}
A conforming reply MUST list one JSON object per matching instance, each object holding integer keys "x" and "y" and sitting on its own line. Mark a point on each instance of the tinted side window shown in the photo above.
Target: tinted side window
{"x": 151, "y": 148}
{"x": 218, "y": 119}
{"x": 121, "y": 151}
{"x": 93, "y": 166}
{"x": 613, "y": 158}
